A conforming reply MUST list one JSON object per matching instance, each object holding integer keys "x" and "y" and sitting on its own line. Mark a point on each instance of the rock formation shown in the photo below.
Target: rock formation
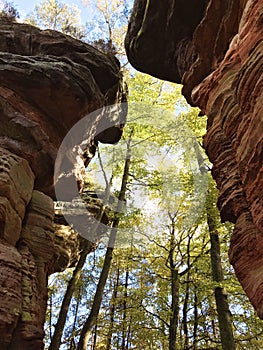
{"x": 48, "y": 82}
{"x": 215, "y": 49}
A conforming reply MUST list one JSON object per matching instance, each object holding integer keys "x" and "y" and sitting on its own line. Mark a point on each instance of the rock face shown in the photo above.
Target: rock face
{"x": 48, "y": 82}
{"x": 215, "y": 49}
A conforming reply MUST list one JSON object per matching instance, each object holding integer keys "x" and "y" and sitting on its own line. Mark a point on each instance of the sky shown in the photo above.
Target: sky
{"x": 26, "y": 6}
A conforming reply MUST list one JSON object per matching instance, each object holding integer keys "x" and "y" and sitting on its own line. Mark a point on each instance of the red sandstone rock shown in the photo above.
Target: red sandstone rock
{"x": 232, "y": 98}
{"x": 48, "y": 82}
{"x": 10, "y": 291}
{"x": 16, "y": 186}
{"x": 218, "y": 59}
{"x": 74, "y": 76}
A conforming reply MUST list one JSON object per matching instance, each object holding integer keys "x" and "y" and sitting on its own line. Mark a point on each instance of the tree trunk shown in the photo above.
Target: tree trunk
{"x": 57, "y": 336}
{"x": 174, "y": 309}
{"x": 50, "y": 318}
{"x": 124, "y": 323}
{"x": 173, "y": 324}
{"x": 73, "y": 333}
{"x": 186, "y": 299}
{"x": 224, "y": 315}
{"x": 95, "y": 336}
{"x": 91, "y": 320}
{"x": 112, "y": 309}
{"x": 129, "y": 334}
{"x": 56, "y": 339}
{"x": 195, "y": 320}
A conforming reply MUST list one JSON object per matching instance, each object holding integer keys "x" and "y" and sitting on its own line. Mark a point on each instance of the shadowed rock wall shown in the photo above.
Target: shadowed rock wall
{"x": 48, "y": 82}
{"x": 215, "y": 49}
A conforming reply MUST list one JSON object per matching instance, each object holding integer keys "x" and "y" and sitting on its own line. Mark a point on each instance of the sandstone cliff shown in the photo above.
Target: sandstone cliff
{"x": 215, "y": 49}
{"x": 48, "y": 82}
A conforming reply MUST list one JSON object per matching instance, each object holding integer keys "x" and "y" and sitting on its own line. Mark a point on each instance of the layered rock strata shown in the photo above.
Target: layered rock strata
{"x": 215, "y": 49}
{"x": 48, "y": 82}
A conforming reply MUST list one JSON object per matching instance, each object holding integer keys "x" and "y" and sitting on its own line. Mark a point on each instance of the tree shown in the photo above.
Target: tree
{"x": 112, "y": 307}
{"x": 173, "y": 322}
{"x": 224, "y": 314}
{"x": 137, "y": 172}
{"x": 9, "y": 13}
{"x": 91, "y": 320}
{"x": 108, "y": 27}
{"x": 59, "y": 327}
{"x": 56, "y": 15}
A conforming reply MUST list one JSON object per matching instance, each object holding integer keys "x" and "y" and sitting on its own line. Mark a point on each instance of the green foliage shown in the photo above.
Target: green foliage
{"x": 136, "y": 307}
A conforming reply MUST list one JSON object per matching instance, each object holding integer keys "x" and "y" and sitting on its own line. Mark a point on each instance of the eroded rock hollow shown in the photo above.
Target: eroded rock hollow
{"x": 48, "y": 82}
{"x": 215, "y": 49}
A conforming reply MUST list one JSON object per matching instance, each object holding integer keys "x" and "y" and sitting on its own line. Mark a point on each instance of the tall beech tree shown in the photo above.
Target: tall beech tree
{"x": 91, "y": 320}
{"x": 222, "y": 305}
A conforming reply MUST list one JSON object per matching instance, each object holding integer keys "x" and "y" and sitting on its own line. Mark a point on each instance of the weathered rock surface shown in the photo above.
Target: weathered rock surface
{"x": 16, "y": 186}
{"x": 217, "y": 53}
{"x": 76, "y": 79}
{"x": 48, "y": 82}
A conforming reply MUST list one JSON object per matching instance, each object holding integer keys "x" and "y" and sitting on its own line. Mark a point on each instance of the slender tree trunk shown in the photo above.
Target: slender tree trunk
{"x": 185, "y": 326}
{"x": 112, "y": 309}
{"x": 124, "y": 324}
{"x": 195, "y": 321}
{"x": 50, "y": 317}
{"x": 95, "y": 337}
{"x": 72, "y": 340}
{"x": 56, "y": 339}
{"x": 222, "y": 306}
{"x": 129, "y": 334}
{"x": 186, "y": 299}
{"x": 174, "y": 309}
{"x": 91, "y": 320}
{"x": 57, "y": 336}
{"x": 173, "y": 324}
